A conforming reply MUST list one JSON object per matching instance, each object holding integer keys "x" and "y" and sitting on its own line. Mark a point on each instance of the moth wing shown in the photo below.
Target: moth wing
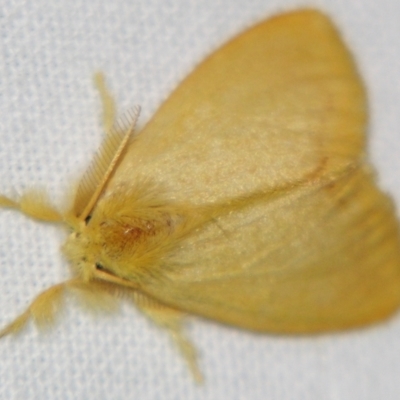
{"x": 278, "y": 104}
{"x": 269, "y": 131}
{"x": 320, "y": 257}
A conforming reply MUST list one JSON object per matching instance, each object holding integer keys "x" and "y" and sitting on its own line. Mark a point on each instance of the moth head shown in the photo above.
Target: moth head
{"x": 81, "y": 249}
{"x": 97, "y": 247}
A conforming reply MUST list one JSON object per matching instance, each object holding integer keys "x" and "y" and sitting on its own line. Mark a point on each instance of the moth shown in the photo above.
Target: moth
{"x": 247, "y": 199}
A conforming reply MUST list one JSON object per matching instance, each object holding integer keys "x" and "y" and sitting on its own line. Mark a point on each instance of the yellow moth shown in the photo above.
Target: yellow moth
{"x": 246, "y": 199}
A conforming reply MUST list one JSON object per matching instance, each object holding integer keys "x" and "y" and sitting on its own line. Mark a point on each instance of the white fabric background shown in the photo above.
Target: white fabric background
{"x": 49, "y": 127}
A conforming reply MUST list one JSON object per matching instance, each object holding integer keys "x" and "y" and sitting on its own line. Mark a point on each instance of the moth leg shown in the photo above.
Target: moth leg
{"x": 172, "y": 320}
{"x": 34, "y": 204}
{"x": 42, "y": 310}
{"x": 107, "y": 100}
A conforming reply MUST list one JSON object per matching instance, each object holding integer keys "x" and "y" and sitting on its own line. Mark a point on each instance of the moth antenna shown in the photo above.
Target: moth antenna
{"x": 107, "y": 101}
{"x": 103, "y": 165}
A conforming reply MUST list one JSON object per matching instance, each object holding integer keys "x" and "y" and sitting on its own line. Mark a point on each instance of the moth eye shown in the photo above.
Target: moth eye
{"x": 100, "y": 267}
{"x": 87, "y": 219}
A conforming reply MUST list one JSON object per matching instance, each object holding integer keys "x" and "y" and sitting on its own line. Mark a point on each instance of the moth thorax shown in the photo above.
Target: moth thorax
{"x": 122, "y": 234}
